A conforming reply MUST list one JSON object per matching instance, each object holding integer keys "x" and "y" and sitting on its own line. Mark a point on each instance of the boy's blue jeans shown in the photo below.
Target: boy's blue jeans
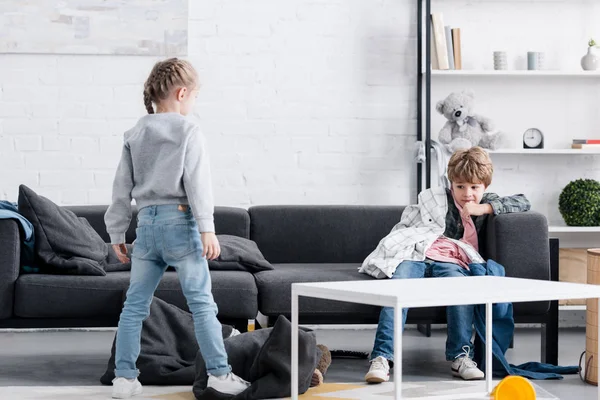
{"x": 460, "y": 318}
{"x": 168, "y": 236}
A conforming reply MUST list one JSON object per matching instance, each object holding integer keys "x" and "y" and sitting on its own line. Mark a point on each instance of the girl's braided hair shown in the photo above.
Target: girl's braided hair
{"x": 166, "y": 76}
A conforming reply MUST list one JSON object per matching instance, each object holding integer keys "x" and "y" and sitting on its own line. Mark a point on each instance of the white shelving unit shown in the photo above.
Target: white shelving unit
{"x": 548, "y": 151}
{"x": 556, "y": 229}
{"x": 573, "y": 236}
{"x": 573, "y": 229}
{"x": 515, "y": 73}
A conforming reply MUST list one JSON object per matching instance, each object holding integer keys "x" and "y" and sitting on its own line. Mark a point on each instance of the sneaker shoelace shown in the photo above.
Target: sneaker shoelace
{"x": 465, "y": 358}
{"x": 378, "y": 364}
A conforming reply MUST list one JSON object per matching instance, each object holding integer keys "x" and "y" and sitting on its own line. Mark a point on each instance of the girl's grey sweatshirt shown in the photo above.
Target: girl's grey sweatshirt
{"x": 164, "y": 161}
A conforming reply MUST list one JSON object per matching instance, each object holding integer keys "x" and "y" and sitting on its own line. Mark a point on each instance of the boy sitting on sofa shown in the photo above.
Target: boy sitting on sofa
{"x": 439, "y": 238}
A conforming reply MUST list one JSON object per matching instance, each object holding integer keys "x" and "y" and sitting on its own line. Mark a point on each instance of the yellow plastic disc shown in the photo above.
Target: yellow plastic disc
{"x": 514, "y": 388}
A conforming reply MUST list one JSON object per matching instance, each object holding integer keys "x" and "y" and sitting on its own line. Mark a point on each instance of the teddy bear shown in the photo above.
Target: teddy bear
{"x": 465, "y": 129}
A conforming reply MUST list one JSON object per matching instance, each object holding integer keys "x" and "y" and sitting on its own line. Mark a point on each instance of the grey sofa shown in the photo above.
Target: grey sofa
{"x": 35, "y": 300}
{"x": 304, "y": 244}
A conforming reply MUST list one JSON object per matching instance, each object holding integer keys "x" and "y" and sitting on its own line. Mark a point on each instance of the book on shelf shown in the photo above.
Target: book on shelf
{"x": 433, "y": 52}
{"x": 445, "y": 45}
{"x": 439, "y": 38}
{"x": 586, "y": 141}
{"x": 585, "y": 146}
{"x": 449, "y": 46}
{"x": 456, "y": 47}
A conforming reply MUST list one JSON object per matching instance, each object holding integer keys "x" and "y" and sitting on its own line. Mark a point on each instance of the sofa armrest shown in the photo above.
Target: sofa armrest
{"x": 519, "y": 242}
{"x": 10, "y": 255}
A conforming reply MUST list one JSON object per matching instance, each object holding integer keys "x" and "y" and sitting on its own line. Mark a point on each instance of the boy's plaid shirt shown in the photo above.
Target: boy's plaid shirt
{"x": 421, "y": 224}
{"x": 500, "y": 205}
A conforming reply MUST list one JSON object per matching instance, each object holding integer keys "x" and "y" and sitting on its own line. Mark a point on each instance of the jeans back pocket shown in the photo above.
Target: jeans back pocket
{"x": 178, "y": 240}
{"x": 143, "y": 242}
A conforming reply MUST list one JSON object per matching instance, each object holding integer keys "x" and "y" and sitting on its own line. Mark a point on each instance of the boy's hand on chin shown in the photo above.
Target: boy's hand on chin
{"x": 472, "y": 208}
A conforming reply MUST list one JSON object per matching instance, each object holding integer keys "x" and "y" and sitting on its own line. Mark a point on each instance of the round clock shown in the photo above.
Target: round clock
{"x": 533, "y": 138}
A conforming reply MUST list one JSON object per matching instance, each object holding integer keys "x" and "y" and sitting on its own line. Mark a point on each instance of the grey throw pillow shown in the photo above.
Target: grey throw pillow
{"x": 239, "y": 254}
{"x": 64, "y": 243}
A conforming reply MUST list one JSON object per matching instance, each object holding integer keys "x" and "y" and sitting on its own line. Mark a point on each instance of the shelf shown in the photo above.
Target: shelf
{"x": 571, "y": 307}
{"x": 543, "y": 151}
{"x": 573, "y": 229}
{"x": 546, "y": 151}
{"x": 516, "y": 73}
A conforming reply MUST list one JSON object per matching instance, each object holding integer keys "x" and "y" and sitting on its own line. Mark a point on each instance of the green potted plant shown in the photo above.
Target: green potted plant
{"x": 579, "y": 203}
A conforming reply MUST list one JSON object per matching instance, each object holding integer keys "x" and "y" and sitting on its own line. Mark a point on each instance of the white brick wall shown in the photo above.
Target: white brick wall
{"x": 305, "y": 101}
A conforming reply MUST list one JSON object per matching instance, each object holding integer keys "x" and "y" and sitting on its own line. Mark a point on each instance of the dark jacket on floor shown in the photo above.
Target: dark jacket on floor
{"x": 168, "y": 347}
{"x": 263, "y": 358}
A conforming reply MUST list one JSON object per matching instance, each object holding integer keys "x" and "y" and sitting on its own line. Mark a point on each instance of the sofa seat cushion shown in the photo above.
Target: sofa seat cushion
{"x": 274, "y": 296}
{"x": 70, "y": 296}
{"x": 275, "y": 289}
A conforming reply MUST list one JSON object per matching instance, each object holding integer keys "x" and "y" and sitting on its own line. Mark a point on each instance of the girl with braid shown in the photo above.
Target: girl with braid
{"x": 165, "y": 167}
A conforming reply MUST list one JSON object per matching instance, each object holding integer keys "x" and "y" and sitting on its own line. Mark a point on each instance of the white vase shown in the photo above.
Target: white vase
{"x": 589, "y": 62}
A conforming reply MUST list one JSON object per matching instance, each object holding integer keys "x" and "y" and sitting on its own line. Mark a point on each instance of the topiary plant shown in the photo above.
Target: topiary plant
{"x": 579, "y": 203}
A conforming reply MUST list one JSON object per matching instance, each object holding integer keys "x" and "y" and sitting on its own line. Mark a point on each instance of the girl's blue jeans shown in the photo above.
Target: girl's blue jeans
{"x": 168, "y": 236}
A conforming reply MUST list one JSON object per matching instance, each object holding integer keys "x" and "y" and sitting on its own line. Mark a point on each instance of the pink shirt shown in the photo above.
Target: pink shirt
{"x": 444, "y": 250}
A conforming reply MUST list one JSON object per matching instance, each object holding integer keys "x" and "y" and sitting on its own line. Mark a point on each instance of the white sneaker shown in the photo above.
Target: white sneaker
{"x": 227, "y": 384}
{"x": 379, "y": 371}
{"x": 465, "y": 368}
{"x": 124, "y": 388}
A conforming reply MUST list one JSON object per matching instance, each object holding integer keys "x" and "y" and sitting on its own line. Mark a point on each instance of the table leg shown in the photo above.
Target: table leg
{"x": 294, "y": 345}
{"x": 398, "y": 351}
{"x": 488, "y": 347}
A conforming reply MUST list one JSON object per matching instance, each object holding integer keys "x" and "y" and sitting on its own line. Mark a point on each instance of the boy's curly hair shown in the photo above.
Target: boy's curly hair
{"x": 471, "y": 165}
{"x": 166, "y": 76}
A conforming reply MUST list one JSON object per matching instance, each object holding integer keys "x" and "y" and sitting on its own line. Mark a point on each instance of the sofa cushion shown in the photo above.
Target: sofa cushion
{"x": 274, "y": 296}
{"x": 320, "y": 234}
{"x": 239, "y": 254}
{"x": 95, "y": 216}
{"x": 228, "y": 221}
{"x": 64, "y": 243}
{"x": 54, "y": 296}
{"x": 274, "y": 289}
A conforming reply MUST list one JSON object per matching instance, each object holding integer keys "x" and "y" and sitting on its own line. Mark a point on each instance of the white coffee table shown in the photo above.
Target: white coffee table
{"x": 431, "y": 292}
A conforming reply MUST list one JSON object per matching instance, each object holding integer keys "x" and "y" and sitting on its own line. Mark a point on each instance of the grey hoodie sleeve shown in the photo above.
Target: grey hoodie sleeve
{"x": 198, "y": 183}
{"x": 118, "y": 215}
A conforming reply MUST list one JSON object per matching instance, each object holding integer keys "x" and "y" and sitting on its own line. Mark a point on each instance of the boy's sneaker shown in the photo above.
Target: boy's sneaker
{"x": 227, "y": 384}
{"x": 465, "y": 368}
{"x": 124, "y": 388}
{"x": 379, "y": 370}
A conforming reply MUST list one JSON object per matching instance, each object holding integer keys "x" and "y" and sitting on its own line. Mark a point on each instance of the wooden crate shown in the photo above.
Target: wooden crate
{"x": 572, "y": 267}
{"x": 591, "y": 327}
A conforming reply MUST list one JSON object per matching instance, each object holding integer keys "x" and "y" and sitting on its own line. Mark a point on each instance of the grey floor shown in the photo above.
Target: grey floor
{"x": 79, "y": 357}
